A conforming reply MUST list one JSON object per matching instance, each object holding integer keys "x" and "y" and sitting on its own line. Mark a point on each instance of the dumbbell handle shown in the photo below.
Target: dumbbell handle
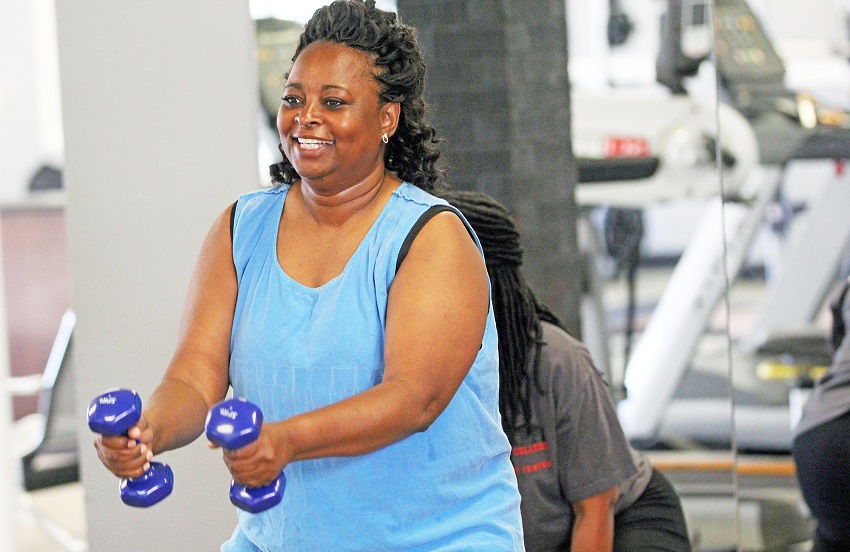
{"x": 232, "y": 424}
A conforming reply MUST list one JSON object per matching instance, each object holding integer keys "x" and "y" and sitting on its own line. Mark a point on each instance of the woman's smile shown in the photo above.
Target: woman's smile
{"x": 311, "y": 146}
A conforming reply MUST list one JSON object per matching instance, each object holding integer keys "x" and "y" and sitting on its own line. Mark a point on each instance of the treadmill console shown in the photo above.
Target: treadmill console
{"x": 747, "y": 64}
{"x": 685, "y": 42}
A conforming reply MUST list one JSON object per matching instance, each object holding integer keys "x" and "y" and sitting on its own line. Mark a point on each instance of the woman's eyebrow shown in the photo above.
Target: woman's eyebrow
{"x": 299, "y": 86}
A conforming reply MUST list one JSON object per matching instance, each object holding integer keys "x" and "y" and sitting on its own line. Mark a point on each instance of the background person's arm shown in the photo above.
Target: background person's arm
{"x": 593, "y": 522}
{"x": 436, "y": 316}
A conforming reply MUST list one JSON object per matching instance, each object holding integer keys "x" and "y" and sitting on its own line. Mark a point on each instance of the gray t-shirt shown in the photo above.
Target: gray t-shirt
{"x": 831, "y": 396}
{"x": 573, "y": 448}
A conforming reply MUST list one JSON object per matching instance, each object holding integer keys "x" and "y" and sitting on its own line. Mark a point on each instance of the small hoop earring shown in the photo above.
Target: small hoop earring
{"x": 384, "y": 138}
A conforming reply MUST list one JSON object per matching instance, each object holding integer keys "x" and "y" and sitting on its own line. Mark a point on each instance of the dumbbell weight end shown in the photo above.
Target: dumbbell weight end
{"x": 114, "y": 412}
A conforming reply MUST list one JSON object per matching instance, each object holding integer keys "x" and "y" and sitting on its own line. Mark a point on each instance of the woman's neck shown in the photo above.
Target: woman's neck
{"x": 339, "y": 206}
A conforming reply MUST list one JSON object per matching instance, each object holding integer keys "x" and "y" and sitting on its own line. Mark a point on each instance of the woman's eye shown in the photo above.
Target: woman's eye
{"x": 290, "y": 100}
{"x": 333, "y": 102}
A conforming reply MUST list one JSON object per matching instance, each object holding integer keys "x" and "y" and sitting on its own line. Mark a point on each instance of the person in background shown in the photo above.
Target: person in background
{"x": 352, "y": 307}
{"x": 583, "y": 487}
{"x": 821, "y": 445}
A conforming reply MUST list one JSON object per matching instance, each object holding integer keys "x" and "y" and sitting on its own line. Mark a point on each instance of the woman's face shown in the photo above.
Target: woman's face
{"x": 331, "y": 119}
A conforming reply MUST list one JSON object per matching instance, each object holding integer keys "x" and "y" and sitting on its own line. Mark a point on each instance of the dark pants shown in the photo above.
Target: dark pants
{"x": 822, "y": 456}
{"x": 655, "y": 522}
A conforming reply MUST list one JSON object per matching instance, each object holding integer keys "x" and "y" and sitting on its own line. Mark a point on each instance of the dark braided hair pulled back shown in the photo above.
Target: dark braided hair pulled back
{"x": 400, "y": 69}
{"x": 517, "y": 311}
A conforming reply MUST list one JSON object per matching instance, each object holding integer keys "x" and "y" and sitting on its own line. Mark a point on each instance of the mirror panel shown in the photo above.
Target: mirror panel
{"x": 651, "y": 181}
{"x": 784, "y": 69}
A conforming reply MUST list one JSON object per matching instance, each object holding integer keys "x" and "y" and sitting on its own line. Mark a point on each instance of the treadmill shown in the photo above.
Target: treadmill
{"x": 667, "y": 395}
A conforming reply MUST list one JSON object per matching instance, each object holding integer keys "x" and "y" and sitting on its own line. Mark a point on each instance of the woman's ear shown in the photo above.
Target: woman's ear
{"x": 390, "y": 113}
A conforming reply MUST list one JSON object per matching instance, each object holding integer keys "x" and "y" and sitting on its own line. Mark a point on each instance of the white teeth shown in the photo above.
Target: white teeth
{"x": 312, "y": 143}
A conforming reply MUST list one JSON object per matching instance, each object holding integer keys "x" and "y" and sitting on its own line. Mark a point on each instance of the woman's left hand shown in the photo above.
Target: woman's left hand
{"x": 260, "y": 462}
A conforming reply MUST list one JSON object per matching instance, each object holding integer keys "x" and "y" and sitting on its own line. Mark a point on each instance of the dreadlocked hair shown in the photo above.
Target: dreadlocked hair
{"x": 517, "y": 311}
{"x": 412, "y": 151}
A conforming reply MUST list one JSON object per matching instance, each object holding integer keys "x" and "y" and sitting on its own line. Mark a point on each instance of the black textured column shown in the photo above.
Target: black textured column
{"x": 498, "y": 92}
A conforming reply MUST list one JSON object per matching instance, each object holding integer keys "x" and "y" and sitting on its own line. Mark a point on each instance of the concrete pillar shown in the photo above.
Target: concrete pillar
{"x": 499, "y": 93}
{"x": 160, "y": 107}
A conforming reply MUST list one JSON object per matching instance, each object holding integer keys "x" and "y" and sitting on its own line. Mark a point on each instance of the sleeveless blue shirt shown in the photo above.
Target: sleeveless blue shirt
{"x": 295, "y": 349}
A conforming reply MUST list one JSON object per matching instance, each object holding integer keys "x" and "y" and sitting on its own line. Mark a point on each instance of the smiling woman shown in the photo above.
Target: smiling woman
{"x": 352, "y": 306}
{"x": 391, "y": 70}
{"x": 331, "y": 120}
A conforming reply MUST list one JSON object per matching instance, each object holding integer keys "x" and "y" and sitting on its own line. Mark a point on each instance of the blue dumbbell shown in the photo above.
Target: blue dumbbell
{"x": 232, "y": 424}
{"x": 114, "y": 413}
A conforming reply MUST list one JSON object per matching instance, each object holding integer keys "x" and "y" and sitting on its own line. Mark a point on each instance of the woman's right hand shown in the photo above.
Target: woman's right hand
{"x": 127, "y": 455}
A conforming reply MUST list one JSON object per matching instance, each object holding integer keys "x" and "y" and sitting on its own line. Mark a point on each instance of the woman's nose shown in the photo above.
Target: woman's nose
{"x": 307, "y": 115}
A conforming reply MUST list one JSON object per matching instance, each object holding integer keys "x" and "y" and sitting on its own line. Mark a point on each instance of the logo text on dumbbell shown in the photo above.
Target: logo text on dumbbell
{"x": 228, "y": 413}
{"x": 107, "y": 400}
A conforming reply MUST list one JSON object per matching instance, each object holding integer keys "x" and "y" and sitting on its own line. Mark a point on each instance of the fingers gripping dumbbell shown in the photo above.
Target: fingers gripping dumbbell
{"x": 232, "y": 424}
{"x": 114, "y": 412}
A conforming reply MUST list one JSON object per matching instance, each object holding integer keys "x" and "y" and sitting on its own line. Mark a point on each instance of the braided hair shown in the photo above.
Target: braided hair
{"x": 517, "y": 311}
{"x": 411, "y": 152}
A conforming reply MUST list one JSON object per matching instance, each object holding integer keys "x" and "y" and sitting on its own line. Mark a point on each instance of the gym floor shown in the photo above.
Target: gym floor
{"x": 64, "y": 505}
{"x": 711, "y": 519}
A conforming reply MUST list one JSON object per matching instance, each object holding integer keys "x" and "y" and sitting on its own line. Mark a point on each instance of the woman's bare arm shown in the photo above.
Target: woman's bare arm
{"x": 593, "y": 523}
{"x": 197, "y": 375}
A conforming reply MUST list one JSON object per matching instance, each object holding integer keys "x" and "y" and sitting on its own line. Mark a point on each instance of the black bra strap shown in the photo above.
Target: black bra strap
{"x": 423, "y": 219}
{"x": 232, "y": 219}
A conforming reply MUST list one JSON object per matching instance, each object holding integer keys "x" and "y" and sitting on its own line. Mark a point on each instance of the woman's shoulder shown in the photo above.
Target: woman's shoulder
{"x": 410, "y": 210}
{"x": 414, "y": 195}
{"x": 254, "y": 209}
{"x": 424, "y": 206}
{"x": 257, "y": 201}
{"x": 262, "y": 193}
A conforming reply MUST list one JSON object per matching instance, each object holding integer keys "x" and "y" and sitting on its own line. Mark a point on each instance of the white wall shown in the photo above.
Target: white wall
{"x": 30, "y": 125}
{"x": 810, "y": 20}
{"x": 159, "y": 104}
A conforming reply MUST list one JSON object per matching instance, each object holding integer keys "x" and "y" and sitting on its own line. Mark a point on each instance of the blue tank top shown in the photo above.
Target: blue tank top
{"x": 295, "y": 349}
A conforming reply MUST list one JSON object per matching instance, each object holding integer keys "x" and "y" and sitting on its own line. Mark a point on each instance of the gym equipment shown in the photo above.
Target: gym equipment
{"x": 788, "y": 128}
{"x": 635, "y": 149}
{"x": 45, "y": 441}
{"x": 114, "y": 412}
{"x": 232, "y": 424}
{"x": 620, "y": 25}
{"x": 654, "y": 146}
{"x": 767, "y": 505}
